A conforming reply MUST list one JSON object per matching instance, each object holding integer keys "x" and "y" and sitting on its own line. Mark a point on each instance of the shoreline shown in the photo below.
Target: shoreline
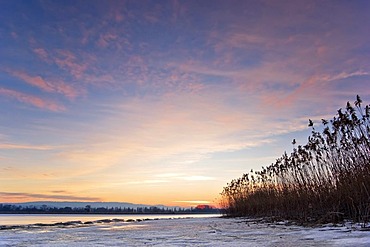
{"x": 104, "y": 213}
{"x": 44, "y": 220}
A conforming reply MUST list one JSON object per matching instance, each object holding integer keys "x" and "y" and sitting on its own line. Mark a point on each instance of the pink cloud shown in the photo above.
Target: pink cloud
{"x": 316, "y": 86}
{"x": 41, "y": 53}
{"x": 32, "y": 100}
{"x": 104, "y": 80}
{"x": 178, "y": 81}
{"x": 344, "y": 75}
{"x": 68, "y": 61}
{"x": 117, "y": 11}
{"x": 106, "y": 38}
{"x": 291, "y": 69}
{"x": 48, "y": 86}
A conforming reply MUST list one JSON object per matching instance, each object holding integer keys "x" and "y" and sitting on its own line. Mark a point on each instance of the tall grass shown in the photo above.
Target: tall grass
{"x": 328, "y": 179}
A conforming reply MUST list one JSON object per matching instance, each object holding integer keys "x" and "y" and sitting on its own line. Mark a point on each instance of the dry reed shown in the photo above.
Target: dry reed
{"x": 326, "y": 180}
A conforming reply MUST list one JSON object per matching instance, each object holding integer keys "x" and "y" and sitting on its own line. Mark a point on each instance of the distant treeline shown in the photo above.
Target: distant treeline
{"x": 14, "y": 209}
{"x": 328, "y": 179}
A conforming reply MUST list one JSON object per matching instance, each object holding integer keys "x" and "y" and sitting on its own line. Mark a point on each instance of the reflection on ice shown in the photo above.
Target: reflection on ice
{"x": 122, "y": 227}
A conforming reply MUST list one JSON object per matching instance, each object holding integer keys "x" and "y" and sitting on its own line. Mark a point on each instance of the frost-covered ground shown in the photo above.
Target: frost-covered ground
{"x": 185, "y": 232}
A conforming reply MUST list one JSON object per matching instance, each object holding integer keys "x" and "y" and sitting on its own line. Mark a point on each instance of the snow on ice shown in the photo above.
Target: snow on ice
{"x": 185, "y": 232}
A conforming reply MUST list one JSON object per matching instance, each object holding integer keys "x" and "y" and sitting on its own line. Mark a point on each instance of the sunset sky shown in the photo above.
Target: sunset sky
{"x": 164, "y": 102}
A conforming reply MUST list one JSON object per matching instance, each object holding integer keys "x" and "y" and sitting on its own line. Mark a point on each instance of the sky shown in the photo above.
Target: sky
{"x": 165, "y": 102}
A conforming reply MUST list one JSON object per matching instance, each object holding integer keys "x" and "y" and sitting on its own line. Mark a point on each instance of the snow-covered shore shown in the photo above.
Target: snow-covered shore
{"x": 185, "y": 232}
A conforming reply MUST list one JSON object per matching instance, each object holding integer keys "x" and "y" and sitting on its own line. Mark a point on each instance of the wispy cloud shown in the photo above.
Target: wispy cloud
{"x": 198, "y": 178}
{"x": 345, "y": 75}
{"x": 48, "y": 86}
{"x": 142, "y": 182}
{"x": 59, "y": 192}
{"x": 32, "y": 100}
{"x": 11, "y": 196}
{"x": 106, "y": 38}
{"x": 41, "y": 53}
{"x": 182, "y": 176}
{"x": 24, "y": 146}
{"x": 66, "y": 60}
{"x": 195, "y": 202}
{"x": 164, "y": 134}
{"x": 169, "y": 175}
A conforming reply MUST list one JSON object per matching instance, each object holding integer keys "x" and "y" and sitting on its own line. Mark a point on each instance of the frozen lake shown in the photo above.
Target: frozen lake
{"x": 26, "y": 219}
{"x": 210, "y": 231}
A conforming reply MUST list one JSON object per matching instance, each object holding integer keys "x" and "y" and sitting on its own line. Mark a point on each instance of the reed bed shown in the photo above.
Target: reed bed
{"x": 326, "y": 180}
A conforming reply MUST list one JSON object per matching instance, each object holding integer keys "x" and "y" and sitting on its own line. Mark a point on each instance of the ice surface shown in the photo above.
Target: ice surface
{"x": 185, "y": 232}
